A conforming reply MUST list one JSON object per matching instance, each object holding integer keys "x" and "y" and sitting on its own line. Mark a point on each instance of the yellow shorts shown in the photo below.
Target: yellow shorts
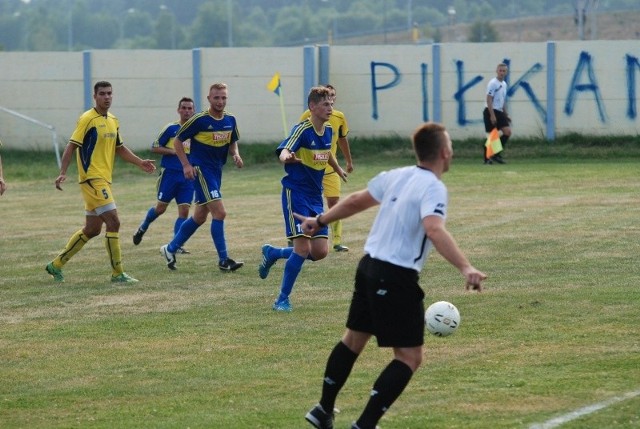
{"x": 97, "y": 196}
{"x": 331, "y": 183}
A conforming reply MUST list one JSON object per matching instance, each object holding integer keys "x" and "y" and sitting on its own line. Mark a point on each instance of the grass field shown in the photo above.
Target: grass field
{"x": 557, "y": 328}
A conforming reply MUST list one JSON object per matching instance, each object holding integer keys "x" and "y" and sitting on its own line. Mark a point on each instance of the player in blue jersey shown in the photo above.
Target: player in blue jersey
{"x": 214, "y": 136}
{"x": 305, "y": 155}
{"x": 171, "y": 184}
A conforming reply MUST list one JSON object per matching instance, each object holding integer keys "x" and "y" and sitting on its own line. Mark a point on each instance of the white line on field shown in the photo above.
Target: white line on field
{"x": 560, "y": 420}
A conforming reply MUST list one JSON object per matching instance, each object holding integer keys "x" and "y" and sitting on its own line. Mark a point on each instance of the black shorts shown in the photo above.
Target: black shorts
{"x": 387, "y": 303}
{"x": 501, "y": 120}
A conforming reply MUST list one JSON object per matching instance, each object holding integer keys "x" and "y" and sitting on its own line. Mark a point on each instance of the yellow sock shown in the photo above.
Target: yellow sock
{"x": 76, "y": 242}
{"x": 112, "y": 243}
{"x": 336, "y": 232}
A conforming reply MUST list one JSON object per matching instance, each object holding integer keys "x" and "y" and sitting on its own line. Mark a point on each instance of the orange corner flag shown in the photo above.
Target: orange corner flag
{"x": 493, "y": 144}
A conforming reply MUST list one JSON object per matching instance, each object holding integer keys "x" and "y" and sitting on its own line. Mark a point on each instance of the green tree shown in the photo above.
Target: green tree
{"x": 210, "y": 26}
{"x": 482, "y": 32}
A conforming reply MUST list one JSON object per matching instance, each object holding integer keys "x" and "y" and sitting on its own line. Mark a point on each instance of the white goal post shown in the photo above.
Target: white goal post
{"x": 54, "y": 134}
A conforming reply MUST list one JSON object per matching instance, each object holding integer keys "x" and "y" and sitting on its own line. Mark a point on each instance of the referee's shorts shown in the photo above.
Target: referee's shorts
{"x": 387, "y": 303}
{"x": 501, "y": 120}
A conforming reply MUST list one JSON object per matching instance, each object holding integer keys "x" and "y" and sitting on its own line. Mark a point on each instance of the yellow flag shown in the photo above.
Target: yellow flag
{"x": 493, "y": 144}
{"x": 274, "y": 84}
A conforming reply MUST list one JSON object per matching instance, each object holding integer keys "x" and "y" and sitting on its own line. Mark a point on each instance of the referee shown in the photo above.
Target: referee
{"x": 495, "y": 113}
{"x": 388, "y": 301}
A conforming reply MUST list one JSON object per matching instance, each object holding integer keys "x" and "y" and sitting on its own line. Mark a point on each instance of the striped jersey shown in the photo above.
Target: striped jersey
{"x": 210, "y": 138}
{"x": 314, "y": 150}
{"x": 340, "y": 129}
{"x": 166, "y": 139}
{"x": 97, "y": 137}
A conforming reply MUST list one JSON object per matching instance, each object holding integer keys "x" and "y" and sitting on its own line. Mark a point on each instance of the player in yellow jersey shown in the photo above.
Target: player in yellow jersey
{"x": 331, "y": 182}
{"x": 95, "y": 141}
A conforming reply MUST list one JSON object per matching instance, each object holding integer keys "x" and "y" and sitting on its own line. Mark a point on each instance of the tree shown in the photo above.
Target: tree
{"x": 210, "y": 26}
{"x": 482, "y": 31}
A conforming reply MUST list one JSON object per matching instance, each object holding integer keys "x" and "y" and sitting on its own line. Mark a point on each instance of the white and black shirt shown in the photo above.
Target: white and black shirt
{"x": 406, "y": 195}
{"x": 498, "y": 90}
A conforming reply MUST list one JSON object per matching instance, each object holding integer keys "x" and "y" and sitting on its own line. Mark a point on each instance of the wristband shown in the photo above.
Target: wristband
{"x": 319, "y": 222}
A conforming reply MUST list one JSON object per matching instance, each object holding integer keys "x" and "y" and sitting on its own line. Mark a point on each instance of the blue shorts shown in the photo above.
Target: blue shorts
{"x": 207, "y": 186}
{"x": 306, "y": 205}
{"x": 173, "y": 185}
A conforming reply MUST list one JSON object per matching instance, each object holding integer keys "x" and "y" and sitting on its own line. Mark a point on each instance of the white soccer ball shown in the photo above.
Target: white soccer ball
{"x": 442, "y": 318}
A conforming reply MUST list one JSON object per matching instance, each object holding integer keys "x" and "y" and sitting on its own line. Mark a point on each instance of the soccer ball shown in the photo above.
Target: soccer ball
{"x": 442, "y": 318}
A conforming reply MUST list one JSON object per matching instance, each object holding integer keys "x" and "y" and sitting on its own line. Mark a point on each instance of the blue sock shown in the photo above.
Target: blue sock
{"x": 186, "y": 230}
{"x": 280, "y": 252}
{"x": 178, "y": 224}
{"x": 217, "y": 234}
{"x": 150, "y": 217}
{"x": 291, "y": 270}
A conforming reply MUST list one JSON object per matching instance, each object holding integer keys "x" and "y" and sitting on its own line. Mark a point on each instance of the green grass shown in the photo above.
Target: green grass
{"x": 556, "y": 329}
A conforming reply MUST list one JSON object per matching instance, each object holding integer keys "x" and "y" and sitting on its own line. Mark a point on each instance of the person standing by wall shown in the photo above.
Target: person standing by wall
{"x": 305, "y": 155}
{"x": 331, "y": 183}
{"x": 214, "y": 136}
{"x": 495, "y": 113}
{"x": 171, "y": 184}
{"x": 95, "y": 141}
{"x": 388, "y": 301}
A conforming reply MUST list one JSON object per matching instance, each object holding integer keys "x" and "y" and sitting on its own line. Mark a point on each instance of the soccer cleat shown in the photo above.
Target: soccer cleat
{"x": 56, "y": 273}
{"x": 285, "y": 306}
{"x": 319, "y": 418}
{"x": 340, "y": 248}
{"x": 137, "y": 237}
{"x": 498, "y": 159}
{"x": 169, "y": 257}
{"x": 123, "y": 278}
{"x": 488, "y": 162}
{"x": 229, "y": 265}
{"x": 183, "y": 251}
{"x": 265, "y": 266}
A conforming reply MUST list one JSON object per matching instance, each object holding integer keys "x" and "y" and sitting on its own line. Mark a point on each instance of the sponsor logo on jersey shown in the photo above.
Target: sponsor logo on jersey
{"x": 321, "y": 156}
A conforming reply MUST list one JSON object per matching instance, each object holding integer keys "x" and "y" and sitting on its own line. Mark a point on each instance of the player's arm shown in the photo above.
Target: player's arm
{"x": 343, "y": 144}
{"x": 354, "y": 203}
{"x": 162, "y": 150}
{"x": 445, "y": 244}
{"x": 333, "y": 162}
{"x": 64, "y": 164}
{"x": 187, "y": 168}
{"x": 130, "y": 157}
{"x": 492, "y": 115}
{"x": 235, "y": 154}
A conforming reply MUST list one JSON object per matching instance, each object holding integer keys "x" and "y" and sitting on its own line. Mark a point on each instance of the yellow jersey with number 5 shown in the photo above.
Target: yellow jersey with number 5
{"x": 97, "y": 137}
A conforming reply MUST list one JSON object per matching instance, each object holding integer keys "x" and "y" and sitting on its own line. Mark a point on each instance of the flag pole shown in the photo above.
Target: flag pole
{"x": 284, "y": 120}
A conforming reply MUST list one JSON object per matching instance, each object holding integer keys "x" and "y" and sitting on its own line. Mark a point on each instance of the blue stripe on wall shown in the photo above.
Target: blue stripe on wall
{"x": 196, "y": 58}
{"x": 437, "y": 94}
{"x": 87, "y": 78}
{"x": 308, "y": 73}
{"x": 551, "y": 91}
{"x": 323, "y": 65}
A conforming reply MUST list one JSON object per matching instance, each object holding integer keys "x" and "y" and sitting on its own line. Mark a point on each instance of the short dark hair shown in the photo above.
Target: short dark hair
{"x": 427, "y": 140}
{"x": 317, "y": 94}
{"x": 184, "y": 100}
{"x": 101, "y": 84}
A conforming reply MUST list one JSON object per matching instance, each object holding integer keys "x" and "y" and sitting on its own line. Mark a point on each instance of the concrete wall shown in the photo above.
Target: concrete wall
{"x": 555, "y": 88}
